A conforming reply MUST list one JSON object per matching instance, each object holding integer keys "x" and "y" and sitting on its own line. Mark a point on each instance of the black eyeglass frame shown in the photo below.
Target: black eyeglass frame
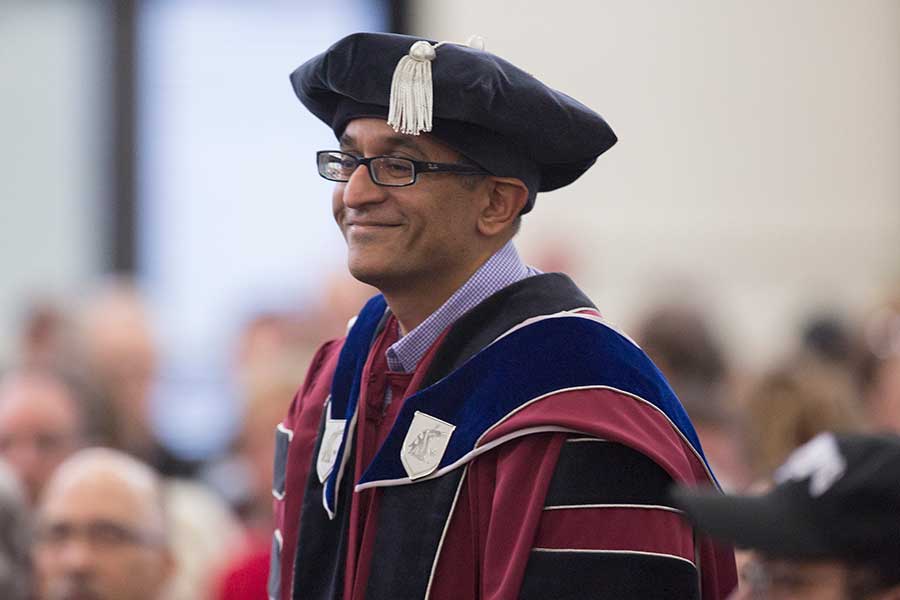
{"x": 418, "y": 167}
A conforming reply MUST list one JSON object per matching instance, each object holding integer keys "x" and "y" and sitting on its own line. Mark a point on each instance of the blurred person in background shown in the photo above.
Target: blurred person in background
{"x": 682, "y": 341}
{"x": 790, "y": 405}
{"x": 15, "y": 538}
{"x": 43, "y": 336}
{"x": 878, "y": 372}
{"x": 829, "y": 528}
{"x": 115, "y": 350}
{"x": 42, "y": 422}
{"x": 268, "y": 391}
{"x": 102, "y": 531}
{"x": 204, "y": 534}
{"x": 827, "y": 337}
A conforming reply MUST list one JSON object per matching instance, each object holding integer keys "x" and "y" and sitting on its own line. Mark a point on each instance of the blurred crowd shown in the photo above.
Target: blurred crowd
{"x": 93, "y": 504}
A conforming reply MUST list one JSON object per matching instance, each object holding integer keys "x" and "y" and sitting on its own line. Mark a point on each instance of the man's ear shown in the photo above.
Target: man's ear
{"x": 506, "y": 199}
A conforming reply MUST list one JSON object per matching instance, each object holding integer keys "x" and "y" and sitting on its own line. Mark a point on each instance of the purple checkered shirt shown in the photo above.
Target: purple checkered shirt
{"x": 502, "y": 269}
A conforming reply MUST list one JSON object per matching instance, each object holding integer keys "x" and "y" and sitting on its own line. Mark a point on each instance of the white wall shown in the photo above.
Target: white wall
{"x": 758, "y": 155}
{"x": 51, "y": 140}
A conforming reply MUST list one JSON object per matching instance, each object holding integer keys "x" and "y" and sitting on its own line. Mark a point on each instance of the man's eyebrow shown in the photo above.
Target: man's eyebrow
{"x": 388, "y": 144}
{"x": 409, "y": 143}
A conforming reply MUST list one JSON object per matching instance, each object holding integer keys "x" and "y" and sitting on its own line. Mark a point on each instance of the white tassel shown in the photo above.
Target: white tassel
{"x": 412, "y": 100}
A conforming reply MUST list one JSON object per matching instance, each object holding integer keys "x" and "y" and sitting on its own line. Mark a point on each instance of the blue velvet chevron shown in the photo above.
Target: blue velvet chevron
{"x": 543, "y": 357}
{"x": 345, "y": 386}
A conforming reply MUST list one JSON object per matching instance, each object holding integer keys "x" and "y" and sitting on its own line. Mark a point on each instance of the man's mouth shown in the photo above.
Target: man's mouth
{"x": 370, "y": 226}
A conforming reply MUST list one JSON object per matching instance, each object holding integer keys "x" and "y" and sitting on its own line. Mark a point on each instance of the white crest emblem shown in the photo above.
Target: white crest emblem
{"x": 820, "y": 459}
{"x": 425, "y": 444}
{"x": 331, "y": 443}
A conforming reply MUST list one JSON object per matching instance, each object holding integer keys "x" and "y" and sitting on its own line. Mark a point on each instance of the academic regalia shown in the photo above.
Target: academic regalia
{"x": 553, "y": 485}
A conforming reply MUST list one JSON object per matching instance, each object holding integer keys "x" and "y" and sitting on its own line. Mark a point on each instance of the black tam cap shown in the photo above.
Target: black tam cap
{"x": 836, "y": 497}
{"x": 486, "y": 108}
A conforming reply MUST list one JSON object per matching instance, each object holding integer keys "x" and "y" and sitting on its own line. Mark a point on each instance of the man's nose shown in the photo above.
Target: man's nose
{"x": 76, "y": 555}
{"x": 361, "y": 190}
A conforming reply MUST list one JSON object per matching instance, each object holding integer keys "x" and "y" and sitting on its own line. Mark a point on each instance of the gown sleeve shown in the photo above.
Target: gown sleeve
{"x": 593, "y": 521}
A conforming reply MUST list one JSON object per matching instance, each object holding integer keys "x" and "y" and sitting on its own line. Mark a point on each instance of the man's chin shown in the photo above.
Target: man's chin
{"x": 377, "y": 276}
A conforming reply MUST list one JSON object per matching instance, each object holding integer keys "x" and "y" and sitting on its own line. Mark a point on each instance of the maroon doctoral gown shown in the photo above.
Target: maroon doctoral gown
{"x": 563, "y": 494}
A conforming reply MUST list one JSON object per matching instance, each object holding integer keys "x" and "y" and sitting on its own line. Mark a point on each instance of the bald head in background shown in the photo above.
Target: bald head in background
{"x": 101, "y": 530}
{"x": 41, "y": 423}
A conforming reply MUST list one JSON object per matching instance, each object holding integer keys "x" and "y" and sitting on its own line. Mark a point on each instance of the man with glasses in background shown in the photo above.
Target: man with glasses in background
{"x": 480, "y": 432}
{"x": 828, "y": 530}
{"x": 101, "y": 531}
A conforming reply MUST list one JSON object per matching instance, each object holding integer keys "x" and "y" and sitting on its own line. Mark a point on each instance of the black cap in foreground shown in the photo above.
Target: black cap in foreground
{"x": 836, "y": 497}
{"x": 486, "y": 108}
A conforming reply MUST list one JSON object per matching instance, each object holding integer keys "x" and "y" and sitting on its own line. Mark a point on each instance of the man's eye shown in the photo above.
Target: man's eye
{"x": 399, "y": 166}
{"x": 110, "y": 534}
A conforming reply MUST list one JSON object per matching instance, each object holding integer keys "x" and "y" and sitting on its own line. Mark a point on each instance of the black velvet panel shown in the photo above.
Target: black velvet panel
{"x": 411, "y": 521}
{"x": 606, "y": 473}
{"x": 608, "y": 576}
{"x": 282, "y": 442}
{"x": 322, "y": 543}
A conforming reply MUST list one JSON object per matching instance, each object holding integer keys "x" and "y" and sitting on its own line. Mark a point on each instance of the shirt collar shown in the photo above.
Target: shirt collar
{"x": 502, "y": 269}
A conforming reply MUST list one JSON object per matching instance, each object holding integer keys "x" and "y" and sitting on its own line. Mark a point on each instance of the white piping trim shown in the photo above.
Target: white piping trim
{"x": 709, "y": 474}
{"x": 278, "y": 496}
{"x": 290, "y": 433}
{"x": 638, "y": 506}
{"x": 637, "y": 552}
{"x": 466, "y": 457}
{"x": 440, "y": 547}
{"x": 586, "y": 439}
{"x": 337, "y": 482}
{"x": 564, "y": 315}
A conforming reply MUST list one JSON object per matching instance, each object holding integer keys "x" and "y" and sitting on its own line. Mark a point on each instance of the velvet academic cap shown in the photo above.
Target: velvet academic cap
{"x": 486, "y": 108}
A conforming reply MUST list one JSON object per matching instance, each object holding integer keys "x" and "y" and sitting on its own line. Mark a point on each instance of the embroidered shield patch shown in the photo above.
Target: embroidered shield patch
{"x": 425, "y": 444}
{"x": 331, "y": 443}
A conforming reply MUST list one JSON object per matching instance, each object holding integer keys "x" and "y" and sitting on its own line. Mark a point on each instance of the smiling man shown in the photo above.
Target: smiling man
{"x": 480, "y": 432}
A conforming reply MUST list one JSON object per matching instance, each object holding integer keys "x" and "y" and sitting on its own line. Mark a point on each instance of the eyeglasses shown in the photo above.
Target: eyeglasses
{"x": 102, "y": 535}
{"x": 389, "y": 171}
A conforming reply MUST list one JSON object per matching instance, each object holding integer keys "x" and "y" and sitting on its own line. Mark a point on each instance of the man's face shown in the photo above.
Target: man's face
{"x": 770, "y": 579}
{"x": 883, "y": 403}
{"x": 402, "y": 236}
{"x": 100, "y": 538}
{"x": 39, "y": 428}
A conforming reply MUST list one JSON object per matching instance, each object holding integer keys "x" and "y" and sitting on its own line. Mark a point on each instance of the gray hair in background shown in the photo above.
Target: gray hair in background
{"x": 15, "y": 538}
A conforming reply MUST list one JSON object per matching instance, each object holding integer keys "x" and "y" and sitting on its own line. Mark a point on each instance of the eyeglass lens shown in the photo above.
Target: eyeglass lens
{"x": 384, "y": 170}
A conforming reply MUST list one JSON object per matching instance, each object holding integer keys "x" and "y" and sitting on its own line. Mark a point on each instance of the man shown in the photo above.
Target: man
{"x": 118, "y": 353}
{"x": 41, "y": 424}
{"x": 480, "y": 432}
{"x": 101, "y": 531}
{"x": 828, "y": 530}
